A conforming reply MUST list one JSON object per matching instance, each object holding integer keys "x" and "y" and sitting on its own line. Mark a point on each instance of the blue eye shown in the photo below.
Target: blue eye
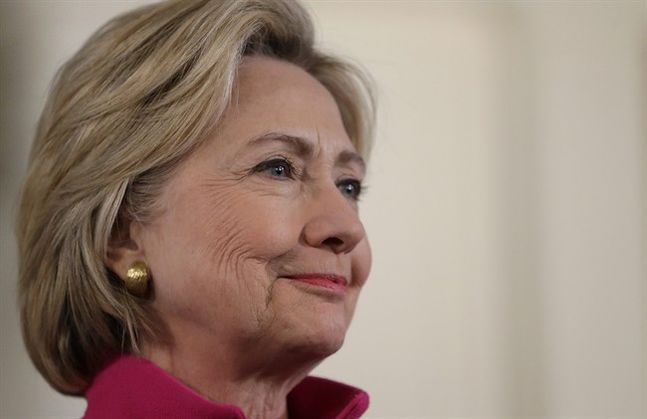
{"x": 278, "y": 168}
{"x": 350, "y": 188}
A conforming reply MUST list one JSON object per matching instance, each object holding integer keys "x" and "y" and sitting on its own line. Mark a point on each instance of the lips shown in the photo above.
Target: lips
{"x": 324, "y": 280}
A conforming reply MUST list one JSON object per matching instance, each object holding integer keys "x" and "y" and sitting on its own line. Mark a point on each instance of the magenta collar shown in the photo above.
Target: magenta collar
{"x": 132, "y": 387}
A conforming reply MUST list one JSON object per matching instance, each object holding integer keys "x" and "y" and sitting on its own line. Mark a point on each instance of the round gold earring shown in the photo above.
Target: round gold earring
{"x": 137, "y": 279}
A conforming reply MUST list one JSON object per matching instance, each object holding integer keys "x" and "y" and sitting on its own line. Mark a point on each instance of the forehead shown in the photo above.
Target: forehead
{"x": 276, "y": 96}
{"x": 261, "y": 80}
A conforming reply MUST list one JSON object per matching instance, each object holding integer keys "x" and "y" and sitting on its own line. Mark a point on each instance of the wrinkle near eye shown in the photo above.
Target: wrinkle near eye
{"x": 217, "y": 182}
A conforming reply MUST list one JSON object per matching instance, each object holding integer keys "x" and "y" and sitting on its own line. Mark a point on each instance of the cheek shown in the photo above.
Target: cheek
{"x": 221, "y": 241}
{"x": 268, "y": 227}
{"x": 361, "y": 259}
{"x": 239, "y": 225}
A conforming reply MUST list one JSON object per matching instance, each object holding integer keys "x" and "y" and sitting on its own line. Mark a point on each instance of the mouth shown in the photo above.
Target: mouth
{"x": 324, "y": 281}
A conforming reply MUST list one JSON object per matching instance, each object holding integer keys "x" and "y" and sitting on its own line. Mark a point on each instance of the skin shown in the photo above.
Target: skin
{"x": 232, "y": 228}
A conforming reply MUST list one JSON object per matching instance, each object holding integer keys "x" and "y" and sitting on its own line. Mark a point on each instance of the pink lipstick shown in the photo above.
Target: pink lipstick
{"x": 330, "y": 281}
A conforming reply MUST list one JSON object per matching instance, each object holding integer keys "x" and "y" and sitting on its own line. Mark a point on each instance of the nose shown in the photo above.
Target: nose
{"x": 333, "y": 222}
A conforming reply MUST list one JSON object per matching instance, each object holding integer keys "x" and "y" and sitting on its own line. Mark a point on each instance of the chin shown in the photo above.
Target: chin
{"x": 315, "y": 350}
{"x": 327, "y": 345}
{"x": 309, "y": 324}
{"x": 312, "y": 337}
{"x": 319, "y": 339}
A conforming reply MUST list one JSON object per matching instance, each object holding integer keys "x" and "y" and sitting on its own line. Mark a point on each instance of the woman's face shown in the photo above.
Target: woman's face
{"x": 259, "y": 246}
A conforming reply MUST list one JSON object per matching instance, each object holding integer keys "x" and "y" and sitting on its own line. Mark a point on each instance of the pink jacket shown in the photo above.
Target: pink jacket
{"x": 131, "y": 387}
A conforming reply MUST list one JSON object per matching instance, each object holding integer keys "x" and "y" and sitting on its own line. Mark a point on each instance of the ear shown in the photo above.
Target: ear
{"x": 125, "y": 247}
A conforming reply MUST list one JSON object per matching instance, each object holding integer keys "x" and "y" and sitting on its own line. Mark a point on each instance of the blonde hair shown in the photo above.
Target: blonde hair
{"x": 138, "y": 97}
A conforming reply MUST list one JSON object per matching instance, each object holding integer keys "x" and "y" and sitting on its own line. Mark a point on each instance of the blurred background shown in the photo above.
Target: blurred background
{"x": 507, "y": 203}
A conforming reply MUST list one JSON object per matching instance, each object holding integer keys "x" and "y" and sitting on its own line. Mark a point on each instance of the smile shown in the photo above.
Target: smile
{"x": 323, "y": 281}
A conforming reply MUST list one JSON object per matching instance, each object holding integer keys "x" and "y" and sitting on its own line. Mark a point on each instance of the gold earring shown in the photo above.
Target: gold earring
{"x": 137, "y": 279}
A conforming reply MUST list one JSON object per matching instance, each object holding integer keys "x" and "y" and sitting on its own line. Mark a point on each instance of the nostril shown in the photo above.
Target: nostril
{"x": 333, "y": 242}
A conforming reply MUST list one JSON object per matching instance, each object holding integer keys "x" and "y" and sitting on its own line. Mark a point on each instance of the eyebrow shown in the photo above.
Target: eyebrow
{"x": 304, "y": 148}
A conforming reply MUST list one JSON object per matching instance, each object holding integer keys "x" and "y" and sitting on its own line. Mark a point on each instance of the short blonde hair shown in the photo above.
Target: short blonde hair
{"x": 134, "y": 101}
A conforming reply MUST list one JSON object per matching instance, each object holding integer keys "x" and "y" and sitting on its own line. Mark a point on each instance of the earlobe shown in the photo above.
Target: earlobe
{"x": 124, "y": 249}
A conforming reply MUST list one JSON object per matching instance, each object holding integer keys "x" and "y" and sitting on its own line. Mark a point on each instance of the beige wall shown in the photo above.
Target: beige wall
{"x": 507, "y": 203}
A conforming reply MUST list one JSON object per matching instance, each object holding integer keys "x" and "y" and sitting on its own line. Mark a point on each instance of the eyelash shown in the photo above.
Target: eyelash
{"x": 291, "y": 172}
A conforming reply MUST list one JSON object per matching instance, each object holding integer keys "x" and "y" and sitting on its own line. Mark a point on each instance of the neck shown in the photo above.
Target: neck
{"x": 255, "y": 382}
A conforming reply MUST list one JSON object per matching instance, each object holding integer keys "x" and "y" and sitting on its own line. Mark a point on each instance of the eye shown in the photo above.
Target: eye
{"x": 350, "y": 188}
{"x": 277, "y": 168}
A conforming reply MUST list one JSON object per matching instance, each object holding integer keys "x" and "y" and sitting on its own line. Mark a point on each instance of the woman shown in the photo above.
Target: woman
{"x": 189, "y": 236}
